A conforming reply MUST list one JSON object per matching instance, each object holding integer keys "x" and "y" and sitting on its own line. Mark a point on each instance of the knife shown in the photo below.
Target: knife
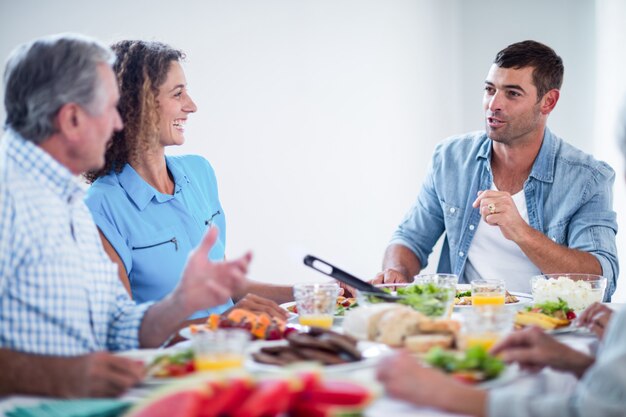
{"x": 340, "y": 275}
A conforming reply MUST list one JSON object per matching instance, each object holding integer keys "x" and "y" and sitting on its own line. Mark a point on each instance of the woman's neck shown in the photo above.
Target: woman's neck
{"x": 152, "y": 168}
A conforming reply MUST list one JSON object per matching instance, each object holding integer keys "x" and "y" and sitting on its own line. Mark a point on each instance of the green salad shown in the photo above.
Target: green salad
{"x": 428, "y": 298}
{"x": 474, "y": 360}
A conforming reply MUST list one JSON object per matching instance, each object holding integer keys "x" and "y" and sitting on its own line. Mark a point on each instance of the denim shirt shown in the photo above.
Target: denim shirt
{"x": 568, "y": 195}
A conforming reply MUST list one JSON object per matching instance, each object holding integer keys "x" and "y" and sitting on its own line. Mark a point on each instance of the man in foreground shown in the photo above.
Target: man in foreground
{"x": 62, "y": 306}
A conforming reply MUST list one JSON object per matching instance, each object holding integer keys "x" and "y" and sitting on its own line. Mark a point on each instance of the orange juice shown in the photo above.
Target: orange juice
{"x": 317, "y": 320}
{"x": 485, "y": 340}
{"x": 487, "y": 299}
{"x": 218, "y": 362}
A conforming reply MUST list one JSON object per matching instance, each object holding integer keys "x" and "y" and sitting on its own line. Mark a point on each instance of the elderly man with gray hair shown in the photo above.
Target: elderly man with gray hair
{"x": 62, "y": 306}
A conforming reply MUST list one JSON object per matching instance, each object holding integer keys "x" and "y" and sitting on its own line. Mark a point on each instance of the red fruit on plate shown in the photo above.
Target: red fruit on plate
{"x": 269, "y": 398}
{"x": 227, "y": 397}
{"x": 338, "y": 393}
{"x": 570, "y": 315}
{"x": 177, "y": 404}
{"x": 304, "y": 409}
{"x": 289, "y": 330}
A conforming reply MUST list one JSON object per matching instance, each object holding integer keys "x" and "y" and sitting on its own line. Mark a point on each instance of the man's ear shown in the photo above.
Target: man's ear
{"x": 68, "y": 120}
{"x": 549, "y": 100}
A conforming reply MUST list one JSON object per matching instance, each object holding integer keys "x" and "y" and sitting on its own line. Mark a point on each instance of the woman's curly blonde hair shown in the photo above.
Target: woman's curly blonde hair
{"x": 141, "y": 68}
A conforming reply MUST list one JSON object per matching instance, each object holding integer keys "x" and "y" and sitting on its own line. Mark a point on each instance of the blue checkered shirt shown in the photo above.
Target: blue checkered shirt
{"x": 59, "y": 292}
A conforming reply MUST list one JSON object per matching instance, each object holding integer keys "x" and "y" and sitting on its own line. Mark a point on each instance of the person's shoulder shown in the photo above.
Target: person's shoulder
{"x": 573, "y": 158}
{"x": 194, "y": 166}
{"x": 190, "y": 162}
{"x": 461, "y": 145}
{"x": 105, "y": 188}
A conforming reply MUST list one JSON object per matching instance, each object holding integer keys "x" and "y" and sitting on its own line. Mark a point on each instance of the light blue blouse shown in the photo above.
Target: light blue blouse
{"x": 153, "y": 233}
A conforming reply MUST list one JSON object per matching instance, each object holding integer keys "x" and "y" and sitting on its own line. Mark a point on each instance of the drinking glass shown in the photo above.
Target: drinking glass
{"x": 488, "y": 292}
{"x": 485, "y": 325}
{"x": 219, "y": 350}
{"x": 316, "y": 303}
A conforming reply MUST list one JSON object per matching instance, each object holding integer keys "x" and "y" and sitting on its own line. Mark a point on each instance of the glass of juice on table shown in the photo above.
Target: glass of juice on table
{"x": 316, "y": 303}
{"x": 485, "y": 325}
{"x": 488, "y": 292}
{"x": 219, "y": 350}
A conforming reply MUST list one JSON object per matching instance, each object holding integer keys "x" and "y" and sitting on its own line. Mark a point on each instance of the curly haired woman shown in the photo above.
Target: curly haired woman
{"x": 152, "y": 209}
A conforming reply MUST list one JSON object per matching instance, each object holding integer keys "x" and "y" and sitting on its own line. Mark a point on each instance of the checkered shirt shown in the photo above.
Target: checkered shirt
{"x": 59, "y": 292}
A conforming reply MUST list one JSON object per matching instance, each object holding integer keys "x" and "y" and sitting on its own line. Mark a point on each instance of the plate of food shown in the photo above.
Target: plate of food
{"x": 164, "y": 365}
{"x": 554, "y": 317}
{"x": 473, "y": 366}
{"x": 260, "y": 325}
{"x": 463, "y": 297}
{"x": 333, "y": 351}
{"x": 343, "y": 304}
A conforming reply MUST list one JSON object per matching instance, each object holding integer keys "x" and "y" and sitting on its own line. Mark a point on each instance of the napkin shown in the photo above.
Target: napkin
{"x": 73, "y": 408}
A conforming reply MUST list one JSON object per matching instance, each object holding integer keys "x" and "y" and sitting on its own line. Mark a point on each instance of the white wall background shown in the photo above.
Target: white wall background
{"x": 320, "y": 116}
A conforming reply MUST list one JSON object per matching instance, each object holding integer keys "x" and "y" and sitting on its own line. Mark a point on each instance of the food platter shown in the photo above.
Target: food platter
{"x": 372, "y": 353}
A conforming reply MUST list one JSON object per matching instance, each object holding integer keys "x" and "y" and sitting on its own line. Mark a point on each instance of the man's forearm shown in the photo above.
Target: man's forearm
{"x": 550, "y": 257}
{"x": 24, "y": 373}
{"x": 277, "y": 293}
{"x": 160, "y": 321}
{"x": 402, "y": 259}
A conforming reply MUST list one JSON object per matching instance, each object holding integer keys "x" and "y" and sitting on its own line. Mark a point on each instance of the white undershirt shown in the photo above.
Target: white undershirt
{"x": 492, "y": 256}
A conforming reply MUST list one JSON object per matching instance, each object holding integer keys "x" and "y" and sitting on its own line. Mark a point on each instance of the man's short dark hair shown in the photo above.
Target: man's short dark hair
{"x": 548, "y": 66}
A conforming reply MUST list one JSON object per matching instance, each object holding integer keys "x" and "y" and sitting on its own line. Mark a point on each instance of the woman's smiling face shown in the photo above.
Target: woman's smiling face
{"x": 174, "y": 105}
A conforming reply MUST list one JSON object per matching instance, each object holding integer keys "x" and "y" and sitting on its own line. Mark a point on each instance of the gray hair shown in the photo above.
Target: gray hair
{"x": 43, "y": 75}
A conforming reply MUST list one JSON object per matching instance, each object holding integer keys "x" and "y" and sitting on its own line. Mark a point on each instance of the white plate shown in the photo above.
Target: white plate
{"x": 511, "y": 373}
{"x": 185, "y": 332}
{"x": 583, "y": 331}
{"x": 523, "y": 297}
{"x": 293, "y": 317}
{"x": 147, "y": 356}
{"x": 372, "y": 353}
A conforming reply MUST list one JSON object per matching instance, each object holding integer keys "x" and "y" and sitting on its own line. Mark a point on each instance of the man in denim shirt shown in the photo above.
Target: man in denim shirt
{"x": 515, "y": 200}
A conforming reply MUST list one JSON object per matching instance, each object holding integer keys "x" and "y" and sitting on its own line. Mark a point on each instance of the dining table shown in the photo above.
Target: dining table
{"x": 520, "y": 382}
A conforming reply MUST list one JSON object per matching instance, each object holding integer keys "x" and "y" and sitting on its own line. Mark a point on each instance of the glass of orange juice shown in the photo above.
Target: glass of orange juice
{"x": 316, "y": 303}
{"x": 219, "y": 350}
{"x": 485, "y": 326}
{"x": 488, "y": 292}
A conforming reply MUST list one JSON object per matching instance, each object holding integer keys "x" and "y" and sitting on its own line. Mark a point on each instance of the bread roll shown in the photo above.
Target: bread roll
{"x": 440, "y": 326}
{"x": 395, "y": 325}
{"x": 422, "y": 343}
